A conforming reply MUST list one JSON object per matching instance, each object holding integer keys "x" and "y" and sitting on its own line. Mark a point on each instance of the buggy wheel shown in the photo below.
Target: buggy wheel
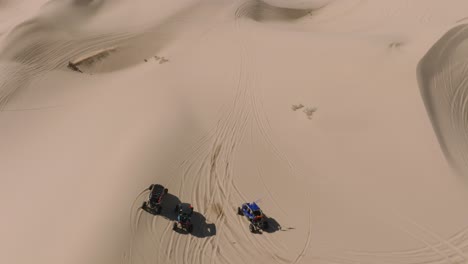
{"x": 151, "y": 187}
{"x": 174, "y": 226}
{"x": 252, "y": 228}
{"x": 166, "y": 191}
{"x": 239, "y": 211}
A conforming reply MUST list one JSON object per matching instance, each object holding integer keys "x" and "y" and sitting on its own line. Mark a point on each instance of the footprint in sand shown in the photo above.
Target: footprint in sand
{"x": 160, "y": 59}
{"x": 396, "y": 44}
{"x": 297, "y": 107}
{"x": 309, "y": 111}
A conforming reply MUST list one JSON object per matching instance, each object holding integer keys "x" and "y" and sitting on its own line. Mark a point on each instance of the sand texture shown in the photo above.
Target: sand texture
{"x": 345, "y": 120}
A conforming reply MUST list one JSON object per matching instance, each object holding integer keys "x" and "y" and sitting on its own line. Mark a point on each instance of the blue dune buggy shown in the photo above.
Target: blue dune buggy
{"x": 156, "y": 195}
{"x": 253, "y": 213}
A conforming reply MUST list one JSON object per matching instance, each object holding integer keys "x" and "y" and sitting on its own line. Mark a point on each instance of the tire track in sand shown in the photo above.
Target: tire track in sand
{"x": 261, "y": 118}
{"x": 451, "y": 250}
{"x": 210, "y": 175}
{"x": 217, "y": 188}
{"x": 229, "y": 134}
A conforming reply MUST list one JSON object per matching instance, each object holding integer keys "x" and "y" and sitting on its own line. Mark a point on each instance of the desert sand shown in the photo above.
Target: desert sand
{"x": 345, "y": 120}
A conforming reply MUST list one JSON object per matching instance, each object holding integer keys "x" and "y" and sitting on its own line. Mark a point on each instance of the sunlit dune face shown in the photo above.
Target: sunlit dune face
{"x": 298, "y": 4}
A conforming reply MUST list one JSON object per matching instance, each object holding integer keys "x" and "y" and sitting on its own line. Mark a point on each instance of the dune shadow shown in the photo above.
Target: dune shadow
{"x": 131, "y": 49}
{"x": 263, "y": 12}
{"x": 201, "y": 228}
{"x": 442, "y": 78}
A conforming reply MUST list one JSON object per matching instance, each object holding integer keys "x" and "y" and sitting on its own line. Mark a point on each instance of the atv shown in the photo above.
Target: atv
{"x": 156, "y": 195}
{"x": 184, "y": 213}
{"x": 253, "y": 213}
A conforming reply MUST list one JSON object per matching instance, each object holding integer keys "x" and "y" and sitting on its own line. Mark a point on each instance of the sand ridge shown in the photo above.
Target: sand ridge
{"x": 441, "y": 75}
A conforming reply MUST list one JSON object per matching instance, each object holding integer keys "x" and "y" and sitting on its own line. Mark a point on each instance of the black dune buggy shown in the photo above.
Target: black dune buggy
{"x": 156, "y": 195}
{"x": 184, "y": 213}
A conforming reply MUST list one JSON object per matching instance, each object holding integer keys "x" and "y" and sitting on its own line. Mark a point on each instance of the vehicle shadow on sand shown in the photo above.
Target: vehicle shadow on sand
{"x": 273, "y": 225}
{"x": 201, "y": 228}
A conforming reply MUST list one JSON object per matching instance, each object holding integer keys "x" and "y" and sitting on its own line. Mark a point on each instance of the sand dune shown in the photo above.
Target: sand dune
{"x": 442, "y": 75}
{"x": 310, "y": 108}
{"x": 43, "y": 46}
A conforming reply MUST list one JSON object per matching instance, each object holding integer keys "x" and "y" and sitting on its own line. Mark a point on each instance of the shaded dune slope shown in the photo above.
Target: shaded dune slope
{"x": 442, "y": 76}
{"x": 43, "y": 43}
{"x": 263, "y": 12}
{"x": 40, "y": 45}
